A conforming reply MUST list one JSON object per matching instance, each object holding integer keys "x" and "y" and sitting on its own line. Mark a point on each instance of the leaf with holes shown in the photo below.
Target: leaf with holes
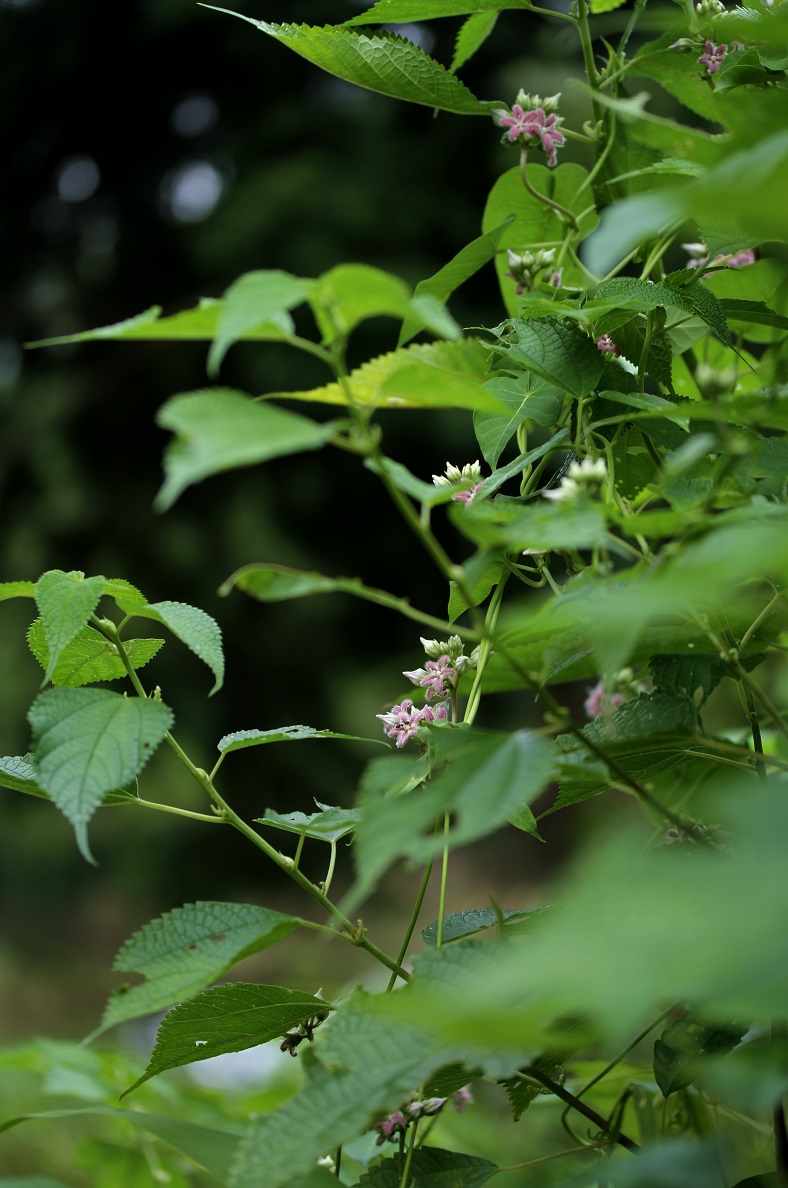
{"x": 87, "y": 742}
{"x": 227, "y": 1018}
{"x": 185, "y": 950}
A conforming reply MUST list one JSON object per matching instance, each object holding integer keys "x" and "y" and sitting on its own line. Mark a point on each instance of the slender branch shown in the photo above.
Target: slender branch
{"x": 531, "y": 1073}
{"x": 413, "y": 920}
{"x": 767, "y": 610}
{"x": 556, "y": 206}
{"x": 210, "y": 819}
{"x": 557, "y": 1155}
{"x": 444, "y": 878}
{"x": 354, "y": 934}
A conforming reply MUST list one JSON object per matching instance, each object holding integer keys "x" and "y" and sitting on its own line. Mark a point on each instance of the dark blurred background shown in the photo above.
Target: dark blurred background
{"x": 153, "y": 153}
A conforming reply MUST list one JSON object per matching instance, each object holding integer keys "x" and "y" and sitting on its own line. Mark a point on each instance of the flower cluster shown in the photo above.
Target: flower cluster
{"x": 446, "y": 663}
{"x": 600, "y": 702}
{"x": 403, "y": 721}
{"x": 699, "y": 258}
{"x": 525, "y": 266}
{"x": 393, "y": 1127}
{"x": 585, "y": 476}
{"x": 533, "y": 121}
{"x": 470, "y": 473}
{"x": 605, "y": 343}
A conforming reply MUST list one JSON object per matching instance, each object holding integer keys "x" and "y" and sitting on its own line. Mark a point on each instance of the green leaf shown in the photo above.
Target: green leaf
{"x": 628, "y": 293}
{"x": 480, "y": 588}
{"x": 400, "y": 11}
{"x": 208, "y": 1148}
{"x": 461, "y": 268}
{"x": 359, "y": 1070}
{"x": 185, "y": 950}
{"x": 350, "y": 293}
{"x": 218, "y": 429}
{"x": 522, "y": 1093}
{"x": 227, "y": 1018}
{"x": 679, "y": 1051}
{"x": 535, "y": 222}
{"x": 17, "y": 590}
{"x": 695, "y": 675}
{"x": 678, "y": 74}
{"x": 128, "y": 597}
{"x": 379, "y": 62}
{"x": 87, "y": 742}
{"x": 597, "y": 6}
{"x": 425, "y": 375}
{"x": 65, "y": 601}
{"x": 488, "y": 779}
{"x": 544, "y": 525}
{"x": 193, "y": 627}
{"x": 328, "y": 825}
{"x": 89, "y": 657}
{"x": 752, "y": 311}
{"x": 430, "y": 1167}
{"x": 461, "y": 924}
{"x": 529, "y": 398}
{"x": 18, "y": 773}
{"x": 471, "y": 37}
{"x": 561, "y": 355}
{"x": 255, "y": 300}
{"x": 255, "y": 738}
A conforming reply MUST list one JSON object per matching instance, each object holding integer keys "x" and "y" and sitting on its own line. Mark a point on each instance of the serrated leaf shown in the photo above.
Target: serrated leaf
{"x": 424, "y": 375}
{"x": 471, "y": 37}
{"x": 431, "y": 1167}
{"x": 461, "y": 268}
{"x": 597, "y": 6}
{"x": 193, "y": 627}
{"x": 208, "y": 1148}
{"x": 17, "y": 590}
{"x": 561, "y": 355}
{"x": 695, "y": 675}
{"x": 752, "y": 311}
{"x": 399, "y": 11}
{"x": 678, "y": 74}
{"x": 466, "y": 923}
{"x": 529, "y": 398}
{"x": 359, "y": 1070}
{"x": 89, "y": 657}
{"x": 379, "y": 62}
{"x": 534, "y": 221}
{"x": 185, "y": 950}
{"x": 679, "y": 1051}
{"x": 521, "y": 1092}
{"x": 227, "y": 1018}
{"x": 219, "y": 429}
{"x": 87, "y": 742}
{"x": 127, "y": 597}
{"x": 328, "y": 825}
{"x": 255, "y": 738}
{"x": 254, "y": 300}
{"x": 65, "y": 602}
{"x": 17, "y": 772}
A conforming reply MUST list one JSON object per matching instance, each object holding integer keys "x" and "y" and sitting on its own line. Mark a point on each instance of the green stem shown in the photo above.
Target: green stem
{"x": 485, "y": 649}
{"x": 403, "y": 1183}
{"x": 355, "y": 935}
{"x": 531, "y": 1073}
{"x": 643, "y": 362}
{"x": 444, "y": 879}
{"x": 556, "y": 1155}
{"x": 556, "y": 206}
{"x": 584, "y": 30}
{"x": 412, "y": 922}
{"x": 210, "y": 819}
{"x": 755, "y": 727}
{"x": 767, "y": 610}
{"x": 330, "y": 872}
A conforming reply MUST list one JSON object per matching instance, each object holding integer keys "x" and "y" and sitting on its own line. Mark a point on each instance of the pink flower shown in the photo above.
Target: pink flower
{"x": 461, "y": 1098}
{"x": 534, "y": 126}
{"x": 390, "y": 1128}
{"x": 605, "y": 343}
{"x": 437, "y": 677}
{"x": 738, "y": 259}
{"x": 599, "y": 701}
{"x": 712, "y": 59}
{"x": 403, "y": 721}
{"x": 556, "y": 281}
